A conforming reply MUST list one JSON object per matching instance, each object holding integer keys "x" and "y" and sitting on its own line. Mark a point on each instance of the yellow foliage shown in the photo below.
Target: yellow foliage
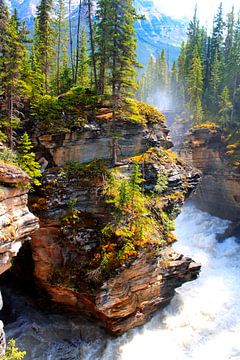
{"x": 207, "y": 125}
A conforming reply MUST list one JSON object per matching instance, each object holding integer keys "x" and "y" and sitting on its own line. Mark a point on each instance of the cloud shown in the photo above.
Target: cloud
{"x": 185, "y": 8}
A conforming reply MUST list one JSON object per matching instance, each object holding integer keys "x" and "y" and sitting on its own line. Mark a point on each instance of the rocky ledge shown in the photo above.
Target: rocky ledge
{"x": 112, "y": 280}
{"x": 17, "y": 223}
{"x": 207, "y": 149}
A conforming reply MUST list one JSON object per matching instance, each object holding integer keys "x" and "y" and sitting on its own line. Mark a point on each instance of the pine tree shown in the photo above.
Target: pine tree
{"x": 212, "y": 93}
{"x": 78, "y": 41}
{"x": 217, "y": 35}
{"x": 161, "y": 72}
{"x": 26, "y": 158}
{"x": 12, "y": 85}
{"x": 193, "y": 36}
{"x": 122, "y": 47}
{"x": 225, "y": 107}
{"x": 44, "y": 41}
{"x": 103, "y": 38}
{"x": 83, "y": 73}
{"x": 174, "y": 86}
{"x": 60, "y": 25}
{"x": 150, "y": 79}
{"x": 195, "y": 87}
{"x": 93, "y": 58}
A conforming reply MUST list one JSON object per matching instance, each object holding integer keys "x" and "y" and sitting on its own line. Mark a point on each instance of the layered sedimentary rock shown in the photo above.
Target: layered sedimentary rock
{"x": 94, "y": 141}
{"x": 65, "y": 254}
{"x": 17, "y": 223}
{"x": 219, "y": 191}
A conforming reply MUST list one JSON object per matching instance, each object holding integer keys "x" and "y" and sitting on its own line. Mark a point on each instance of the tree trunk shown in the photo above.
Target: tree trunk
{"x": 78, "y": 41}
{"x": 92, "y": 42}
{"x": 71, "y": 39}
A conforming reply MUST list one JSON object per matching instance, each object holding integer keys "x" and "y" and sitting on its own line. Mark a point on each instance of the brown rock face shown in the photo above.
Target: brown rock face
{"x": 94, "y": 141}
{"x": 17, "y": 223}
{"x": 127, "y": 298}
{"x": 219, "y": 190}
{"x": 130, "y": 293}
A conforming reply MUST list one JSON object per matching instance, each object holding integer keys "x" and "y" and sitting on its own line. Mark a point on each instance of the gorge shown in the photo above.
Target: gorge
{"x": 118, "y": 240}
{"x": 202, "y": 315}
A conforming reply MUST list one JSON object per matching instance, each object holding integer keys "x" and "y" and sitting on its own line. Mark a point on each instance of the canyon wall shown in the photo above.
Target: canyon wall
{"x": 17, "y": 223}
{"x": 219, "y": 191}
{"x": 65, "y": 254}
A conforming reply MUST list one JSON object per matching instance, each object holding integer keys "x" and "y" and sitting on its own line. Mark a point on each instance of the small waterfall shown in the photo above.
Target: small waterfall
{"x": 202, "y": 321}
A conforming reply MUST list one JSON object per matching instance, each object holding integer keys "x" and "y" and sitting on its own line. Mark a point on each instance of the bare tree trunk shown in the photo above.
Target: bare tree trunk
{"x": 71, "y": 39}
{"x": 234, "y": 94}
{"x": 93, "y": 55}
{"x": 58, "y": 54}
{"x": 78, "y": 40}
{"x": 114, "y": 102}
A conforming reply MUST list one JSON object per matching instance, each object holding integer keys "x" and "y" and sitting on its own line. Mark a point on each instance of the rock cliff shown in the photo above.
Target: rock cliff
{"x": 94, "y": 141}
{"x": 70, "y": 253}
{"x": 17, "y": 223}
{"x": 208, "y": 150}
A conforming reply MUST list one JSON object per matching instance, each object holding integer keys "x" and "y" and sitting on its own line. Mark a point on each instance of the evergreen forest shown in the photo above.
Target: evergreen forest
{"x": 94, "y": 54}
{"x": 203, "y": 83}
{"x": 90, "y": 58}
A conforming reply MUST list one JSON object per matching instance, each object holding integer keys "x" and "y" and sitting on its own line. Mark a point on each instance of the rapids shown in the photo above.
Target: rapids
{"x": 202, "y": 321}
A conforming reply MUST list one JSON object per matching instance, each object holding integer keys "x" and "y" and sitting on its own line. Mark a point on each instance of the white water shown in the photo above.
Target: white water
{"x": 201, "y": 323}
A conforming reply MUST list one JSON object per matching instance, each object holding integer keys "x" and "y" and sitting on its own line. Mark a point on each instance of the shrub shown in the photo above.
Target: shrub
{"x": 8, "y": 156}
{"x": 12, "y": 352}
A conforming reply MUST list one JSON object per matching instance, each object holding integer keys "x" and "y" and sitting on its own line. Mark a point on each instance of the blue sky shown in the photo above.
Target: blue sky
{"x": 206, "y": 8}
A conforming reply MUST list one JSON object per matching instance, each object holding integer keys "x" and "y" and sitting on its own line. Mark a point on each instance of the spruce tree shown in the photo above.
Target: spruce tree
{"x": 83, "y": 72}
{"x": 12, "y": 84}
{"x": 161, "y": 71}
{"x": 60, "y": 27}
{"x": 225, "y": 107}
{"x": 217, "y": 35}
{"x": 44, "y": 41}
{"x": 26, "y": 158}
{"x": 195, "y": 88}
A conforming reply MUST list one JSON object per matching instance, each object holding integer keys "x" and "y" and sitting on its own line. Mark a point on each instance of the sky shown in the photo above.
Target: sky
{"x": 206, "y": 8}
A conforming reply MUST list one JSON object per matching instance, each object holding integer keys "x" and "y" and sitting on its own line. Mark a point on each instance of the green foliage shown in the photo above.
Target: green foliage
{"x": 83, "y": 72}
{"x": 26, "y": 159}
{"x": 162, "y": 182}
{"x": 133, "y": 222}
{"x": 47, "y": 111}
{"x": 116, "y": 42}
{"x": 225, "y": 107}
{"x": 7, "y": 155}
{"x": 75, "y": 169}
{"x": 205, "y": 80}
{"x": 13, "y": 79}
{"x": 44, "y": 42}
{"x": 12, "y": 352}
{"x": 72, "y": 215}
{"x": 195, "y": 88}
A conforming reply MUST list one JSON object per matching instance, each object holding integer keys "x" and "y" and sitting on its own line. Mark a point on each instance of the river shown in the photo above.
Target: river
{"x": 202, "y": 321}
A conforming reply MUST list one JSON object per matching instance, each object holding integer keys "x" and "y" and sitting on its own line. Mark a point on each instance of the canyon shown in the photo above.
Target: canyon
{"x": 64, "y": 252}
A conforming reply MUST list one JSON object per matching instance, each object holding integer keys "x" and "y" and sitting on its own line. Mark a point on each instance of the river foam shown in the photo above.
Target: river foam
{"x": 202, "y": 321}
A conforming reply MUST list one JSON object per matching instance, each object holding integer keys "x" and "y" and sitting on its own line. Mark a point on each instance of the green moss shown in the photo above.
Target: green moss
{"x": 74, "y": 108}
{"x": 150, "y": 113}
